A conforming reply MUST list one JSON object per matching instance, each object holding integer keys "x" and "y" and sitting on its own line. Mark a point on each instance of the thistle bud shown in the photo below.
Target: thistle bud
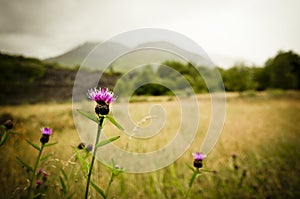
{"x": 8, "y": 124}
{"x": 102, "y": 108}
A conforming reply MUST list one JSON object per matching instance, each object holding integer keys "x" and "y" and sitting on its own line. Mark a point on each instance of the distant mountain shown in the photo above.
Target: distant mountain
{"x": 100, "y": 57}
{"x": 78, "y": 54}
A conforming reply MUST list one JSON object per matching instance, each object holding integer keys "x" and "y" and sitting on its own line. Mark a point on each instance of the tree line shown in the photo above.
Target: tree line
{"x": 279, "y": 72}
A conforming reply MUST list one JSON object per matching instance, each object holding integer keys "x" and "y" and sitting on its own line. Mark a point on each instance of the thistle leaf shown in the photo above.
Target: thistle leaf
{"x": 190, "y": 167}
{"x": 50, "y": 144}
{"x": 104, "y": 142}
{"x": 33, "y": 145}
{"x": 193, "y": 178}
{"x": 25, "y": 164}
{"x": 45, "y": 157}
{"x": 112, "y": 120}
{"x": 4, "y": 138}
{"x": 89, "y": 116}
{"x": 13, "y": 132}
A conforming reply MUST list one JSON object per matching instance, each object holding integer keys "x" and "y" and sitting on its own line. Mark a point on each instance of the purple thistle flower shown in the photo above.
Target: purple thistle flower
{"x": 46, "y": 131}
{"x": 234, "y": 155}
{"x": 40, "y": 171}
{"x": 89, "y": 147}
{"x": 101, "y": 95}
{"x": 38, "y": 182}
{"x": 199, "y": 156}
{"x": 46, "y": 134}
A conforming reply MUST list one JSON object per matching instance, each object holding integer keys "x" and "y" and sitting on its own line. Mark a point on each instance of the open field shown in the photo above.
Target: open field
{"x": 262, "y": 130}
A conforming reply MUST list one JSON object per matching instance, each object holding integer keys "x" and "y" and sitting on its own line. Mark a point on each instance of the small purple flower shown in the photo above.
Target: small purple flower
{"x": 45, "y": 176}
{"x": 199, "y": 156}
{"x": 234, "y": 155}
{"x": 8, "y": 124}
{"x": 40, "y": 171}
{"x": 89, "y": 147}
{"x": 46, "y": 131}
{"x": 38, "y": 182}
{"x": 101, "y": 95}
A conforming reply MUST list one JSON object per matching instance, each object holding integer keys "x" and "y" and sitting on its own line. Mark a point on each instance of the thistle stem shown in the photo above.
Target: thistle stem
{"x": 93, "y": 158}
{"x": 34, "y": 169}
{"x": 109, "y": 184}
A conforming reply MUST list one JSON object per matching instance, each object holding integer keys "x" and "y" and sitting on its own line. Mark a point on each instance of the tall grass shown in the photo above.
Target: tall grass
{"x": 263, "y": 132}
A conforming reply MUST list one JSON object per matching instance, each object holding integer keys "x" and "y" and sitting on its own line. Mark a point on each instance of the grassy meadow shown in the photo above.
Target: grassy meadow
{"x": 261, "y": 129}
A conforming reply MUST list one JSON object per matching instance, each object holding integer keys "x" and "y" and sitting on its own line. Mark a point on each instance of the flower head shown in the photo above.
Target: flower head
{"x": 89, "y": 147}
{"x": 234, "y": 155}
{"x": 40, "y": 171}
{"x": 101, "y": 95}
{"x": 38, "y": 182}
{"x": 199, "y": 156}
{"x": 8, "y": 124}
{"x": 46, "y": 131}
{"x": 81, "y": 146}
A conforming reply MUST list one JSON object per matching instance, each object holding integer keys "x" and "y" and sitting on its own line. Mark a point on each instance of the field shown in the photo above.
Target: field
{"x": 261, "y": 130}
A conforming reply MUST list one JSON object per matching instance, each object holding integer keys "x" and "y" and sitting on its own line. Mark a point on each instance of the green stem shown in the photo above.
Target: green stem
{"x": 34, "y": 169}
{"x": 94, "y": 155}
{"x": 196, "y": 171}
{"x": 109, "y": 184}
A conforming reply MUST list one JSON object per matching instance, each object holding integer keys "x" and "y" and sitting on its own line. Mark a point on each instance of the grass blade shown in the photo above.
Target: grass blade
{"x": 25, "y": 164}
{"x": 64, "y": 174}
{"x": 33, "y": 145}
{"x": 89, "y": 116}
{"x": 63, "y": 185}
{"x": 82, "y": 161}
{"x": 98, "y": 189}
{"x": 104, "y": 142}
{"x": 112, "y": 120}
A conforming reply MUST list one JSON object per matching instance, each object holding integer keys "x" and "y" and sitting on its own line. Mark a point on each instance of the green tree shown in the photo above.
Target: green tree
{"x": 238, "y": 78}
{"x": 283, "y": 71}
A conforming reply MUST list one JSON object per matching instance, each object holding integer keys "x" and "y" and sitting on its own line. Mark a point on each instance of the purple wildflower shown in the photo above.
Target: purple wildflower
{"x": 234, "y": 155}
{"x": 40, "y": 171}
{"x": 199, "y": 156}
{"x": 38, "y": 182}
{"x": 46, "y": 131}
{"x": 101, "y": 95}
{"x": 89, "y": 147}
{"x": 8, "y": 124}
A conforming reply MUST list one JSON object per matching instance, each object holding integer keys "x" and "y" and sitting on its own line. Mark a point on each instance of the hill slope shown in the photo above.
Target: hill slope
{"x": 29, "y": 80}
{"x": 145, "y": 55}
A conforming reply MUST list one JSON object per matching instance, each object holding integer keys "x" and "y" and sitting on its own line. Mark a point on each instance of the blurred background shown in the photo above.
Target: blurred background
{"x": 254, "y": 45}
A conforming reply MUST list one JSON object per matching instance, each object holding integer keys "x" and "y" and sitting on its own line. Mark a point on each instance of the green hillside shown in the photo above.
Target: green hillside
{"x": 30, "y": 80}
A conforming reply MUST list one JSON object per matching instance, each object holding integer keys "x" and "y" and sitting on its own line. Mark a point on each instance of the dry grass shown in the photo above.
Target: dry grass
{"x": 263, "y": 131}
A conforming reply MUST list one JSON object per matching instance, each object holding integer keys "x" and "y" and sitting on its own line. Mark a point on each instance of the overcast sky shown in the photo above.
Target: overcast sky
{"x": 253, "y": 30}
